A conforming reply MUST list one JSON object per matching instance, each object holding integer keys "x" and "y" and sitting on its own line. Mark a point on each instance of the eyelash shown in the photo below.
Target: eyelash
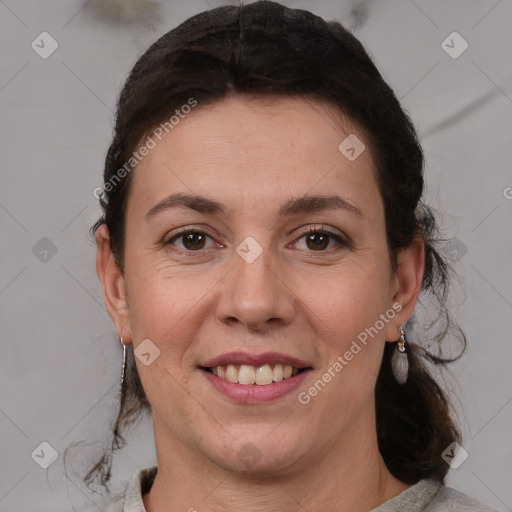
{"x": 311, "y": 231}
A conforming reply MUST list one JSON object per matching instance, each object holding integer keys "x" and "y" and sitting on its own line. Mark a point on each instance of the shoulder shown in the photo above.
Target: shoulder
{"x": 429, "y": 495}
{"x": 130, "y": 500}
{"x": 449, "y": 499}
{"x": 110, "y": 505}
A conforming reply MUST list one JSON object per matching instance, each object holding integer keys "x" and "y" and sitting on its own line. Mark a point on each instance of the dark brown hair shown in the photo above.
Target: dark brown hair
{"x": 267, "y": 50}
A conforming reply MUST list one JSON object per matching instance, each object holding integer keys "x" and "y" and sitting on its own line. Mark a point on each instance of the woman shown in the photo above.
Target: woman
{"x": 262, "y": 250}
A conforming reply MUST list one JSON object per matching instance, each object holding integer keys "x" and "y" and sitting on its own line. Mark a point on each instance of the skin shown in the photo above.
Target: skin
{"x": 309, "y": 300}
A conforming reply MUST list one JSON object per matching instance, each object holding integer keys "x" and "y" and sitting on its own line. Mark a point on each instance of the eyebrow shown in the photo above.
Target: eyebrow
{"x": 304, "y": 204}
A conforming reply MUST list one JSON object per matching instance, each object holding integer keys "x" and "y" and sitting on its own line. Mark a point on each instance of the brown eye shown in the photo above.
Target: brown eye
{"x": 190, "y": 240}
{"x": 193, "y": 241}
{"x": 319, "y": 240}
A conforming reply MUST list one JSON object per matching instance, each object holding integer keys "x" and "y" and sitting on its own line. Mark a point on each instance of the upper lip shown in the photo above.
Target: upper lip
{"x": 255, "y": 359}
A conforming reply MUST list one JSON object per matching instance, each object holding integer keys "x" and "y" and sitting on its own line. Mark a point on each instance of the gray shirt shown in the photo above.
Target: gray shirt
{"x": 425, "y": 496}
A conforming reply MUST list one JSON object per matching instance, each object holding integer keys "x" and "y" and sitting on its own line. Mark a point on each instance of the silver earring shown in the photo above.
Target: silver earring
{"x": 399, "y": 360}
{"x": 123, "y": 370}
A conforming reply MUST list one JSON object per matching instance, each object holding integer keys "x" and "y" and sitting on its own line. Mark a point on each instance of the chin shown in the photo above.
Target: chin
{"x": 257, "y": 455}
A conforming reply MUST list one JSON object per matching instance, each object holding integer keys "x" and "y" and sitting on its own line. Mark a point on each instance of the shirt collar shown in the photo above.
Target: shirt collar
{"x": 139, "y": 485}
{"x": 423, "y": 492}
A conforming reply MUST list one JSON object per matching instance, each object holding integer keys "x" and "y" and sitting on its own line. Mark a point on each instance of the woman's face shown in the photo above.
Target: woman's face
{"x": 251, "y": 280}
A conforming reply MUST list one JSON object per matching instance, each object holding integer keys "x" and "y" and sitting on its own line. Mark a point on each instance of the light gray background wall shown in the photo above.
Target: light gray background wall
{"x": 60, "y": 359}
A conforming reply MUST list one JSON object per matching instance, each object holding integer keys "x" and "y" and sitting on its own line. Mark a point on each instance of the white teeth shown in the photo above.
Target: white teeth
{"x": 277, "y": 374}
{"x": 232, "y": 373}
{"x": 264, "y": 375}
{"x": 261, "y": 375}
{"x": 246, "y": 374}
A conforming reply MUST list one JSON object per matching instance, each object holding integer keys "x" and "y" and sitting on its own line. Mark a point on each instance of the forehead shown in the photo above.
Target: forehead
{"x": 252, "y": 152}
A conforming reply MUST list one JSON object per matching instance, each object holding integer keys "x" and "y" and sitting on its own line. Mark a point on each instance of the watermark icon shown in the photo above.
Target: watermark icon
{"x": 146, "y": 352}
{"x": 44, "y": 45}
{"x": 249, "y": 454}
{"x": 454, "y": 45}
{"x": 454, "y": 455}
{"x": 44, "y": 455}
{"x": 351, "y": 147}
{"x": 455, "y": 249}
{"x": 249, "y": 249}
{"x": 149, "y": 144}
{"x": 304, "y": 397}
{"x": 44, "y": 249}
{"x": 507, "y": 192}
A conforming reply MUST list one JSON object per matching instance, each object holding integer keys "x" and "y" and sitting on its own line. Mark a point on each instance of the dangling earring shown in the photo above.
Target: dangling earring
{"x": 123, "y": 370}
{"x": 399, "y": 360}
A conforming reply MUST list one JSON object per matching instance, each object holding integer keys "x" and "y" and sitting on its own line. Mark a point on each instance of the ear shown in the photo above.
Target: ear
{"x": 112, "y": 282}
{"x": 407, "y": 285}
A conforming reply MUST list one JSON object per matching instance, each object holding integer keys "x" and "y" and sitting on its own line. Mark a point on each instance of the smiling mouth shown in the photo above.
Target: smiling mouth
{"x": 260, "y": 375}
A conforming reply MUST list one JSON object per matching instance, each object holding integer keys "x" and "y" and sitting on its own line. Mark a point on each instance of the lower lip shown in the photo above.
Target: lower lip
{"x": 253, "y": 393}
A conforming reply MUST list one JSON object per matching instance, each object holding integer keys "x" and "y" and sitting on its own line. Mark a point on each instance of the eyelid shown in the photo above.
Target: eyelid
{"x": 192, "y": 228}
{"x": 342, "y": 239}
{"x": 186, "y": 230}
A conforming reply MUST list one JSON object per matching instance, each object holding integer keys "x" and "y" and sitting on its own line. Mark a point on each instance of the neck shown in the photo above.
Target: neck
{"x": 348, "y": 475}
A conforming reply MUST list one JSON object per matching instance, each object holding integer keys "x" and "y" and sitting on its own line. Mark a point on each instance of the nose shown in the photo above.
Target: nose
{"x": 255, "y": 295}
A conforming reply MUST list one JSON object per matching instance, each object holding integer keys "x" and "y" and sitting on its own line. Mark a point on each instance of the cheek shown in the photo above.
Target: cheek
{"x": 160, "y": 292}
{"x": 161, "y": 309}
{"x": 162, "y": 312}
{"x": 353, "y": 335}
{"x": 355, "y": 344}
{"x": 349, "y": 299}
